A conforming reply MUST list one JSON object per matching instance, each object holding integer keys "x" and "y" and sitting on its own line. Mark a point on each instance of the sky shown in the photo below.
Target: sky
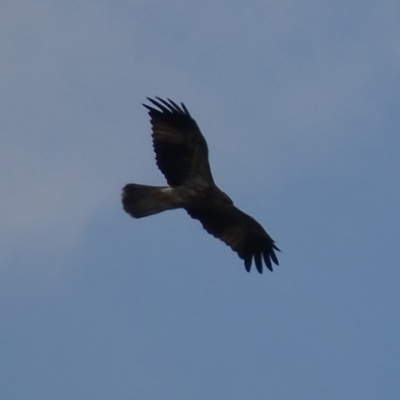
{"x": 299, "y": 104}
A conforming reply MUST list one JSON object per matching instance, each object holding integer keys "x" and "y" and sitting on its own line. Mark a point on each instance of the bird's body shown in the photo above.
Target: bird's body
{"x": 182, "y": 156}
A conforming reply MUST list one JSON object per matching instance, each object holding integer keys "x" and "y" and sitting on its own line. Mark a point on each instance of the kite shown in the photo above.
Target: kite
{"x": 182, "y": 156}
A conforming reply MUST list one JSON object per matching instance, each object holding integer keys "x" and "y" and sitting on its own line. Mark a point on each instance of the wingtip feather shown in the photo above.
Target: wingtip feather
{"x": 247, "y": 263}
{"x": 258, "y": 262}
{"x": 185, "y": 109}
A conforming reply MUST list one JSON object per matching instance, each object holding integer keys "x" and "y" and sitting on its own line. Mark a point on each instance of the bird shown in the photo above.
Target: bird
{"x": 181, "y": 153}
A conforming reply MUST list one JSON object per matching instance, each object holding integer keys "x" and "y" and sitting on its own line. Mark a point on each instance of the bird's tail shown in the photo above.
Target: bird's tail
{"x": 141, "y": 200}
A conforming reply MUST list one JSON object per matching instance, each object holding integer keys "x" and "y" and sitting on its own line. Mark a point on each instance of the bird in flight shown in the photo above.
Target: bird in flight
{"x": 182, "y": 156}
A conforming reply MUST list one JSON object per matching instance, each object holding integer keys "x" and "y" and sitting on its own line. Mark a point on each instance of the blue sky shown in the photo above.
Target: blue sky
{"x": 299, "y": 104}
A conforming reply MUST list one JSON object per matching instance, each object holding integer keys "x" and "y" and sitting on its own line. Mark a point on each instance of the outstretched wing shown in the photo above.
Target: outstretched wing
{"x": 242, "y": 233}
{"x": 181, "y": 150}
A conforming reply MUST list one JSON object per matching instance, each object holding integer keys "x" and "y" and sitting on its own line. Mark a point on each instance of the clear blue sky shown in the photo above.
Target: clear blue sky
{"x": 299, "y": 102}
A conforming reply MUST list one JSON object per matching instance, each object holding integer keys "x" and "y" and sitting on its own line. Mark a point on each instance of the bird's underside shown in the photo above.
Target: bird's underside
{"x": 182, "y": 156}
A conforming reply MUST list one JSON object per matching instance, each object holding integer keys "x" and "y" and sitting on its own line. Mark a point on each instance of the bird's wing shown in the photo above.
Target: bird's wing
{"x": 242, "y": 233}
{"x": 181, "y": 150}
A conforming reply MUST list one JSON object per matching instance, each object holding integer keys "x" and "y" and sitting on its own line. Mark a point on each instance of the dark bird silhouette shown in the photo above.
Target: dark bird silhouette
{"x": 182, "y": 156}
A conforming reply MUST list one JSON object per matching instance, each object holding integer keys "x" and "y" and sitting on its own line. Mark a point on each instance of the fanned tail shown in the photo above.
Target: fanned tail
{"x": 142, "y": 200}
